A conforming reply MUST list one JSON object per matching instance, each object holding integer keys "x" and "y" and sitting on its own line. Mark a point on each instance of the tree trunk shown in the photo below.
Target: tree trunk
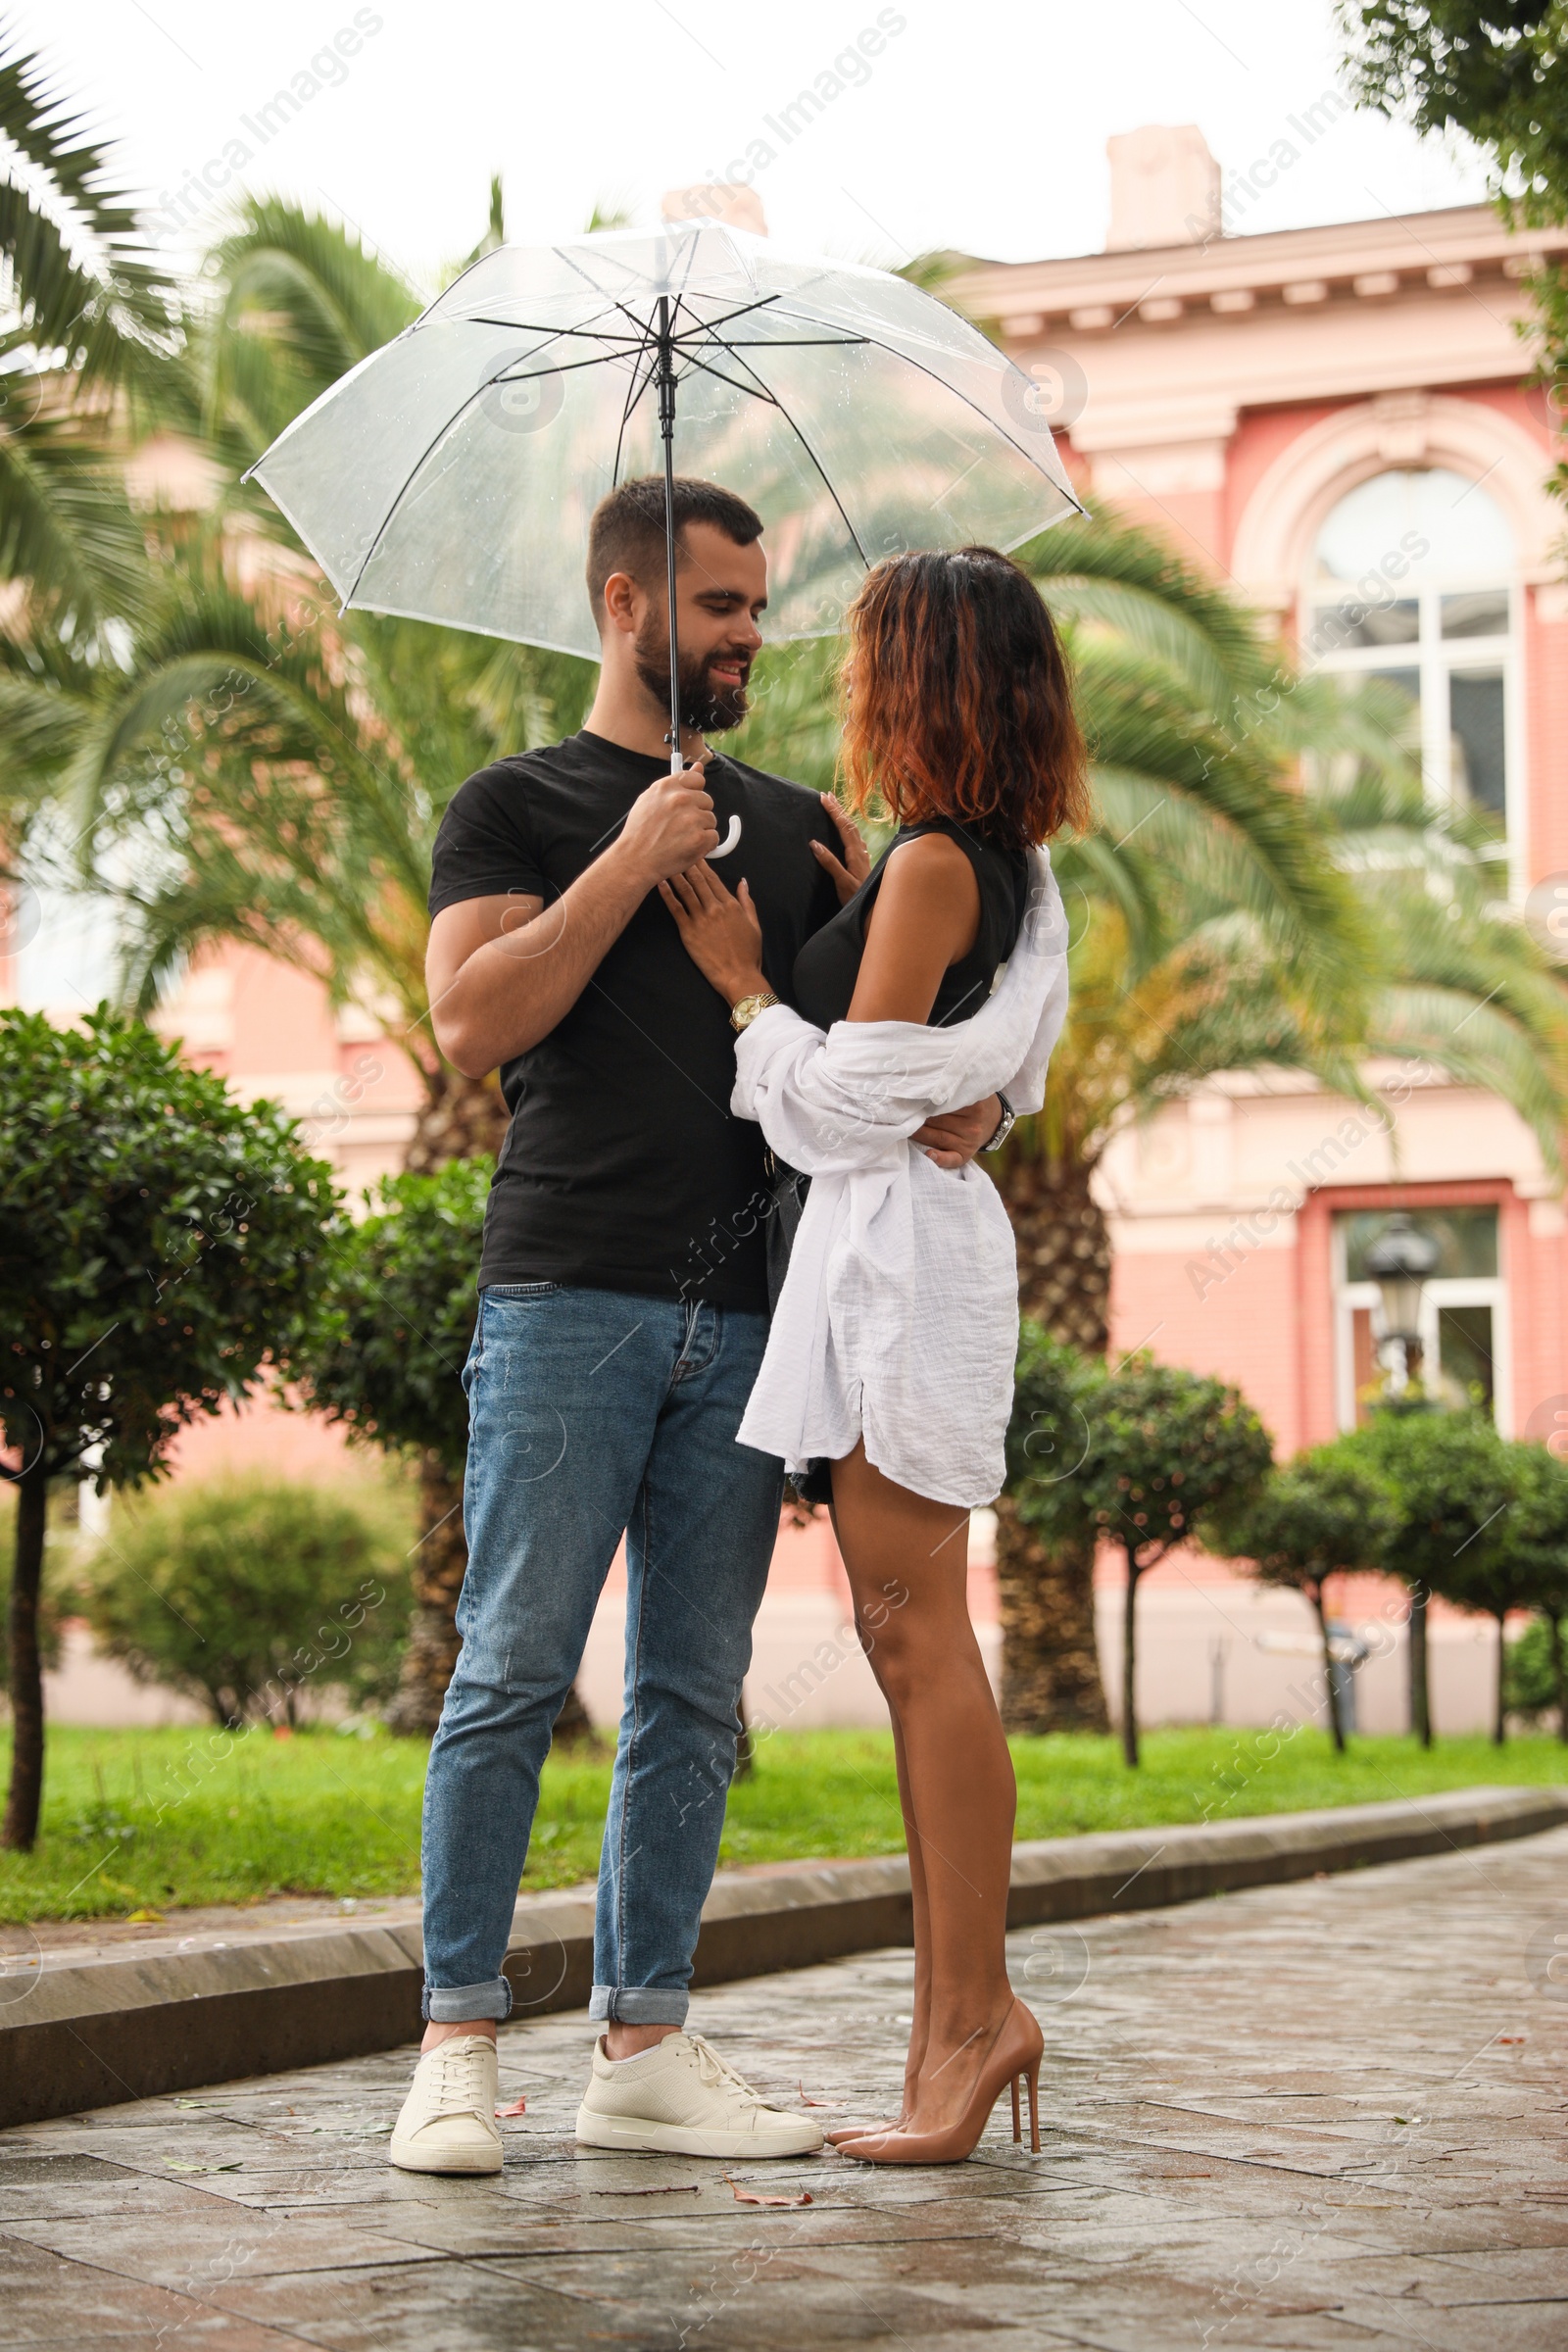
{"x": 1129, "y": 1662}
{"x": 1500, "y": 1726}
{"x": 27, "y": 1667}
{"x": 1560, "y": 1672}
{"x": 1330, "y": 1675}
{"x": 1420, "y": 1700}
{"x": 461, "y": 1117}
{"x": 1050, "y": 1662}
{"x": 1063, "y": 1249}
{"x": 440, "y": 1563}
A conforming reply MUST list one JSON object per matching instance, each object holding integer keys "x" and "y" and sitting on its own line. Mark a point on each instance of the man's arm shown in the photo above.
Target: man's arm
{"x": 502, "y": 971}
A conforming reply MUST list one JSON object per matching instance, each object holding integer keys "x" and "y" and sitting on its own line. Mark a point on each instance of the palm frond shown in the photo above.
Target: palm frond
{"x": 300, "y": 302}
{"x": 85, "y": 283}
{"x": 66, "y": 528}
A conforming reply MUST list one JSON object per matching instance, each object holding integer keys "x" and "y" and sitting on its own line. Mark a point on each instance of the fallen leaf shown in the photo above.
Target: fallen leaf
{"x": 1510, "y": 2038}
{"x": 145, "y": 1919}
{"x": 517, "y": 2107}
{"x": 805, "y": 2102}
{"x": 748, "y": 2196}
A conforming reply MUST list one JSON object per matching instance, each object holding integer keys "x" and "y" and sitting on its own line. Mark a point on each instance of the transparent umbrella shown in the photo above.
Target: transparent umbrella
{"x": 450, "y": 477}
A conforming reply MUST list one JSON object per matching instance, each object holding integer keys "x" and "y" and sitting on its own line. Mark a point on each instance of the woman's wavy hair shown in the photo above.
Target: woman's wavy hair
{"x": 958, "y": 700}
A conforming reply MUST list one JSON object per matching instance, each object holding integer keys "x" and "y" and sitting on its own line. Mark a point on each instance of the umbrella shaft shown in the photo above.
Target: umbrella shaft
{"x": 667, "y": 429}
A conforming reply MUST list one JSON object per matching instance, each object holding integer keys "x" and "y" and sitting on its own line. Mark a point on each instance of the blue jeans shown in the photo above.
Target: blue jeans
{"x": 593, "y": 1413}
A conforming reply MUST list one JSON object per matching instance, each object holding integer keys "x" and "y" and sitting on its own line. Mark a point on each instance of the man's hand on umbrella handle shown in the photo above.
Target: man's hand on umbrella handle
{"x": 670, "y": 826}
{"x": 849, "y": 871}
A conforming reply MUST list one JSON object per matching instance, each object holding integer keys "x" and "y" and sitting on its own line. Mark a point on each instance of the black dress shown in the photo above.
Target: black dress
{"x": 827, "y": 967}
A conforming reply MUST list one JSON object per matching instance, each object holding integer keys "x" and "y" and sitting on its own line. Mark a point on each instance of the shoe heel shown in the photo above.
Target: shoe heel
{"x": 1017, "y": 2128}
{"x": 1034, "y": 2108}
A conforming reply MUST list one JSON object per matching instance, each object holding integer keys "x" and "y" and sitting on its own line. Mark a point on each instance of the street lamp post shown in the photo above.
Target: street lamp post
{"x": 1400, "y": 1261}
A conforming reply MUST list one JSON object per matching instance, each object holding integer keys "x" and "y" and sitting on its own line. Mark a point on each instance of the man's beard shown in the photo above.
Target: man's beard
{"x": 706, "y": 709}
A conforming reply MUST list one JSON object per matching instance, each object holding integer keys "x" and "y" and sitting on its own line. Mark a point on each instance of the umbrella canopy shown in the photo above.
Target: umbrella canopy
{"x": 450, "y": 477}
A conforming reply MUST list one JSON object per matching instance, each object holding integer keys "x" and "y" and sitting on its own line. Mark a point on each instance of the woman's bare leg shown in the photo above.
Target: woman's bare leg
{"x": 921, "y": 2003}
{"x": 883, "y": 1602}
{"x": 906, "y": 1561}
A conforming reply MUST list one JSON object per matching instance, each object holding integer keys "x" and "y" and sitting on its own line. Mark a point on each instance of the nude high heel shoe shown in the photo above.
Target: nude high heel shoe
{"x": 1014, "y": 2056}
{"x": 845, "y": 2131}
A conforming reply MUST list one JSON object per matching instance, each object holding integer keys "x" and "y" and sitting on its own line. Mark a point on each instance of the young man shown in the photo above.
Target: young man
{"x": 623, "y": 1312}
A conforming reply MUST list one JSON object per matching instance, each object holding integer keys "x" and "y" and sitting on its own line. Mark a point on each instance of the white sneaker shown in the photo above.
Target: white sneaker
{"x": 448, "y": 2123}
{"x": 683, "y": 2099}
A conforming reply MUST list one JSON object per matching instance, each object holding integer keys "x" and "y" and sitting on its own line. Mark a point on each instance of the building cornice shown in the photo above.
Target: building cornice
{"x": 1375, "y": 261}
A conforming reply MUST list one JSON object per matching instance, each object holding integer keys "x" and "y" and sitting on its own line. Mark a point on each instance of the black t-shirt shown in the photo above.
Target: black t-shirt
{"x": 624, "y": 1168}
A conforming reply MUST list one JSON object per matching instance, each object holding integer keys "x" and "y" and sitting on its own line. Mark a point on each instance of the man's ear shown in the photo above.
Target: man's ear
{"x": 622, "y": 596}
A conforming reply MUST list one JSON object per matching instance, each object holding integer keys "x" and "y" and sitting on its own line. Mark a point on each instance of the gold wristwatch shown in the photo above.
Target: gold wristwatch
{"x": 746, "y": 1011}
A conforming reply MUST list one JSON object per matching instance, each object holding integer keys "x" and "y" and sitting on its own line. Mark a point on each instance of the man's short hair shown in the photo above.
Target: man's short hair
{"x": 627, "y": 531}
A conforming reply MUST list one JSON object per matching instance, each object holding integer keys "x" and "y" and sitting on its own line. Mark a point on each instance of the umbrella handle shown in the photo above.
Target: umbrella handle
{"x": 667, "y": 429}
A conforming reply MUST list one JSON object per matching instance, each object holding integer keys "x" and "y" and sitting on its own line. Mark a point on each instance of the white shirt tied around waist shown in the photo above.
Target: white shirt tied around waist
{"x": 899, "y": 1317}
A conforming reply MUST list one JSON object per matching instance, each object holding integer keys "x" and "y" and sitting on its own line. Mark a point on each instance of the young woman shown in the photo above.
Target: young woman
{"x": 888, "y": 1378}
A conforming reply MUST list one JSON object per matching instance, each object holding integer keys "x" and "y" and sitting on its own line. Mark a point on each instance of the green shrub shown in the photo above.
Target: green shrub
{"x": 250, "y": 1593}
{"x": 164, "y": 1241}
{"x": 1530, "y": 1673}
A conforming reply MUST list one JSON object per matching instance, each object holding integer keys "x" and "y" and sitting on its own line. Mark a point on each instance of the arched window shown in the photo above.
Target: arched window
{"x": 1412, "y": 581}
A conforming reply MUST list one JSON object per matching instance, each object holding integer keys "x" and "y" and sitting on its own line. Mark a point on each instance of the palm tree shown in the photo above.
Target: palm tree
{"x": 90, "y": 328}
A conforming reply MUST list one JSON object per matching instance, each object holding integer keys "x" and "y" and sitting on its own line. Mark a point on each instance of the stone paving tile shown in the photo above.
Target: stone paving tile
{"x": 211, "y": 2245}
{"x": 48, "y": 2299}
{"x": 1321, "y": 2118}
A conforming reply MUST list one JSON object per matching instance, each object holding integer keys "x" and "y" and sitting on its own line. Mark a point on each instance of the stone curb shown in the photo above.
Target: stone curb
{"x": 93, "y": 2029}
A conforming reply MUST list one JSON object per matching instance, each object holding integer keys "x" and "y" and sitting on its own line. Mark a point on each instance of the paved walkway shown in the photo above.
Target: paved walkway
{"x": 1330, "y": 2115}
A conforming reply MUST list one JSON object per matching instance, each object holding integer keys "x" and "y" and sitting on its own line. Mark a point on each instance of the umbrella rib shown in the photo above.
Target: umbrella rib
{"x": 634, "y": 391}
{"x": 816, "y": 461}
{"x": 708, "y": 369}
{"x": 707, "y": 325}
{"x": 595, "y": 358}
{"x": 529, "y": 326}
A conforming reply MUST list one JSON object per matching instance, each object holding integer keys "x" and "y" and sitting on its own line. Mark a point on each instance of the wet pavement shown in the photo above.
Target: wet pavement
{"x": 1332, "y": 2114}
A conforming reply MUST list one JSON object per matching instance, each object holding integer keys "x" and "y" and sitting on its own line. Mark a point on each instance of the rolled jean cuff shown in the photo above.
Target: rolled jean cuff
{"x": 638, "y": 2004}
{"x": 454, "y": 2004}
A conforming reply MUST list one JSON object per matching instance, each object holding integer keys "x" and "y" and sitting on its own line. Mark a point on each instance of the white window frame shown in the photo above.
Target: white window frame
{"x": 1435, "y": 657}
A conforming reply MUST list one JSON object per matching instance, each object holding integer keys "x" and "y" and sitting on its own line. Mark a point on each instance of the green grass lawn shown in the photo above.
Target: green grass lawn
{"x": 146, "y": 1820}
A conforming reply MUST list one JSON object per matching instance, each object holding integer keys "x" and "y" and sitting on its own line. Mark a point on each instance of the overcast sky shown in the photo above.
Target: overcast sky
{"x": 981, "y": 123}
